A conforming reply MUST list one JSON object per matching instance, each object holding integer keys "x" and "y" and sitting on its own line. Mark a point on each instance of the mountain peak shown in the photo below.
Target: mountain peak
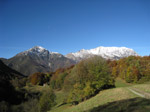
{"x": 37, "y": 49}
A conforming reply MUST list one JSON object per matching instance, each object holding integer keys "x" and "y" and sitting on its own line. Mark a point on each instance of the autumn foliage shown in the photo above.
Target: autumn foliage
{"x": 133, "y": 69}
{"x": 57, "y": 79}
{"x": 39, "y": 78}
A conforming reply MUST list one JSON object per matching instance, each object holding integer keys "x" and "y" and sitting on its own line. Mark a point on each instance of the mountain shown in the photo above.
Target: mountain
{"x": 6, "y": 73}
{"x": 37, "y": 59}
{"x": 105, "y": 52}
{"x": 7, "y": 90}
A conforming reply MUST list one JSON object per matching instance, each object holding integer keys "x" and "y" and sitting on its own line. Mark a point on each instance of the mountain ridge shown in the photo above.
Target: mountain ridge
{"x": 105, "y": 52}
{"x": 39, "y": 59}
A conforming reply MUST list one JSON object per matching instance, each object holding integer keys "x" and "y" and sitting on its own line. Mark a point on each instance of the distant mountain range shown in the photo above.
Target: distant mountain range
{"x": 112, "y": 53}
{"x": 38, "y": 59}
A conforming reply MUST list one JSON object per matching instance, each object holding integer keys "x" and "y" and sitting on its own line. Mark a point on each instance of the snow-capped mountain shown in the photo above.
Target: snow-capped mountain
{"x": 38, "y": 59}
{"x": 37, "y": 50}
{"x": 105, "y": 52}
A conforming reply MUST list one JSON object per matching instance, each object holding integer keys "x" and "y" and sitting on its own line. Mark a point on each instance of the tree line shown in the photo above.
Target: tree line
{"x": 133, "y": 69}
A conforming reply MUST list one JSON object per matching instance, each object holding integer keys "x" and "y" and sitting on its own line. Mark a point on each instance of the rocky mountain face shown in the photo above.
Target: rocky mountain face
{"x": 112, "y": 53}
{"x": 38, "y": 59}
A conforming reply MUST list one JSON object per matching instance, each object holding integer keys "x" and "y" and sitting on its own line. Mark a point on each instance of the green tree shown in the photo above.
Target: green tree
{"x": 88, "y": 90}
{"x": 92, "y": 75}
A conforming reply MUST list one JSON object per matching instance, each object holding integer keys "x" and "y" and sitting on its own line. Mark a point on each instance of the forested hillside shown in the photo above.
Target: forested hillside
{"x": 133, "y": 69}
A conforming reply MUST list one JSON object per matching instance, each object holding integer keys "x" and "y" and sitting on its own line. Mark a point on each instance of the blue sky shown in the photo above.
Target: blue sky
{"x": 70, "y": 25}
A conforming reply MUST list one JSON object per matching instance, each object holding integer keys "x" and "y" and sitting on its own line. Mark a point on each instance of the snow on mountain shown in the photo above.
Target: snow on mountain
{"x": 37, "y": 50}
{"x": 105, "y": 52}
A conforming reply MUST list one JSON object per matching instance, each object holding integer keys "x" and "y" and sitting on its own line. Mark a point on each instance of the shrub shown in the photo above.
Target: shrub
{"x": 28, "y": 106}
{"x": 19, "y": 83}
{"x": 47, "y": 100}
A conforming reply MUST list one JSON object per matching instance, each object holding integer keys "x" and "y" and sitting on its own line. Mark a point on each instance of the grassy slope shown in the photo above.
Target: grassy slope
{"x": 117, "y": 99}
{"x": 60, "y": 96}
{"x": 143, "y": 87}
{"x": 121, "y": 83}
{"x": 37, "y": 88}
{"x": 129, "y": 105}
{"x": 102, "y": 98}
